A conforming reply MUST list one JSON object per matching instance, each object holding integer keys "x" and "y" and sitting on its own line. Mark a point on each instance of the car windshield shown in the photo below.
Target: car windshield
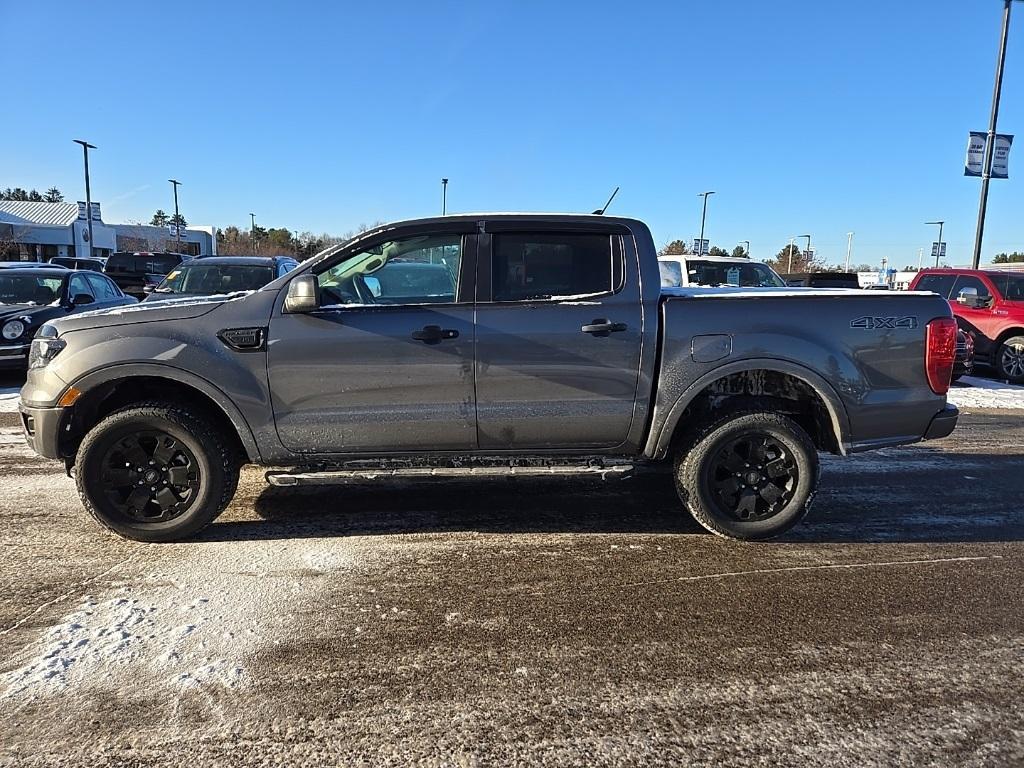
{"x": 1011, "y": 286}
{"x": 28, "y": 289}
{"x": 716, "y": 273}
{"x": 210, "y": 279}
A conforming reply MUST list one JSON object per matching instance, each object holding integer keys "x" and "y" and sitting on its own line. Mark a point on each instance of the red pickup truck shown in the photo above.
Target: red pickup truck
{"x": 989, "y": 305}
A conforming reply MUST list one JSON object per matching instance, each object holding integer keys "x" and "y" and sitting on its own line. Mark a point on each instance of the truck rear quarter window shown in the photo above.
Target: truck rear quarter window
{"x": 940, "y": 284}
{"x": 549, "y": 265}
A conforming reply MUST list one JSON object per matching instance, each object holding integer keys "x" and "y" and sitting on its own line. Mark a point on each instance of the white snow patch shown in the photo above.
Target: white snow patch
{"x": 196, "y": 621}
{"x": 985, "y": 393}
{"x": 9, "y": 399}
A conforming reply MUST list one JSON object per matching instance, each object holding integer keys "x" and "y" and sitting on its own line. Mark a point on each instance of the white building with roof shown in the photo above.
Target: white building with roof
{"x": 32, "y": 231}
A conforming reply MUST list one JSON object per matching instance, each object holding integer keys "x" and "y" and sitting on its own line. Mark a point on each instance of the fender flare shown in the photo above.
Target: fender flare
{"x": 658, "y": 445}
{"x": 161, "y": 371}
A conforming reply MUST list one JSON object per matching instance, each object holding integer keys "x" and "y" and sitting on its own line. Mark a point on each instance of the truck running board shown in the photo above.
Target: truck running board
{"x": 342, "y": 476}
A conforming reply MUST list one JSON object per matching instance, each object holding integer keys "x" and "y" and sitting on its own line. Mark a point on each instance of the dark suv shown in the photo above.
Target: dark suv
{"x": 134, "y": 272}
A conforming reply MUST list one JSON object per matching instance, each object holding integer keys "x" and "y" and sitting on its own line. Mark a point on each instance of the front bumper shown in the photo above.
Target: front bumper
{"x": 14, "y": 355}
{"x": 41, "y": 427}
{"x": 943, "y": 423}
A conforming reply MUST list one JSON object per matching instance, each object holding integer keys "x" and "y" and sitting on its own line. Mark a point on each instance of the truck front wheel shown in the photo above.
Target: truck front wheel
{"x": 748, "y": 476}
{"x": 155, "y": 472}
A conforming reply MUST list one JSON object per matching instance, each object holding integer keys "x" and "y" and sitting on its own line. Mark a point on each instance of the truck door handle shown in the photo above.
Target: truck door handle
{"x": 603, "y": 327}
{"x": 434, "y": 334}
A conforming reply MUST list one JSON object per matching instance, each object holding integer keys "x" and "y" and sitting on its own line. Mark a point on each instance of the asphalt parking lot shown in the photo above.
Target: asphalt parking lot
{"x": 503, "y": 623}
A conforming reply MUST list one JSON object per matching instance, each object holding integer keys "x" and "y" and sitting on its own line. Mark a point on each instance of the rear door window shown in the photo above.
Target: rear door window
{"x": 102, "y": 288}
{"x": 671, "y": 274}
{"x": 940, "y": 284}
{"x": 531, "y": 267}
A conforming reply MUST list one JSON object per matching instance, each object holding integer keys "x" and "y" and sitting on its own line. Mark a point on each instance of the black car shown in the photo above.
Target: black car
{"x": 29, "y": 265}
{"x": 135, "y": 271}
{"x": 214, "y": 275}
{"x": 963, "y": 363}
{"x": 94, "y": 264}
{"x": 30, "y": 297}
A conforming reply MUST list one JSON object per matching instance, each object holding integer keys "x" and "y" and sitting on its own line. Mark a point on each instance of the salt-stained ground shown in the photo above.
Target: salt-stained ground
{"x": 499, "y": 623}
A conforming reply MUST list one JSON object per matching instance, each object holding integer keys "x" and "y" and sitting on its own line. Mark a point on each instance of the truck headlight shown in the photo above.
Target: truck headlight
{"x": 45, "y": 347}
{"x": 13, "y": 330}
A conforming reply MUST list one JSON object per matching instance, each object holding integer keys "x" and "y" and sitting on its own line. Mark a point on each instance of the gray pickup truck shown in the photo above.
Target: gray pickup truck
{"x": 485, "y": 345}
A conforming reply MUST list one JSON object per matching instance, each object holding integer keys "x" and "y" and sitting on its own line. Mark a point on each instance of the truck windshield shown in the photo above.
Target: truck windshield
{"x": 716, "y": 273}
{"x": 28, "y": 289}
{"x": 210, "y": 279}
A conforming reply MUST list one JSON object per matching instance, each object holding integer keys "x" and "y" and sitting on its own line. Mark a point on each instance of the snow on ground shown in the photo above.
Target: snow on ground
{"x": 196, "y": 621}
{"x": 985, "y": 393}
{"x": 9, "y": 399}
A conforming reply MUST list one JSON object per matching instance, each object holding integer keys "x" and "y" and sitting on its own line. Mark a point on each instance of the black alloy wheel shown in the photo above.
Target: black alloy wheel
{"x": 752, "y": 477}
{"x": 150, "y": 476}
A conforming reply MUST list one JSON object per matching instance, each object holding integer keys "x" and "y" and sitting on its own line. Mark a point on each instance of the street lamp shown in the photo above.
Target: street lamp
{"x": 177, "y": 217}
{"x": 252, "y": 234}
{"x": 444, "y": 197}
{"x": 86, "y": 146}
{"x": 792, "y": 240}
{"x": 747, "y": 248}
{"x": 990, "y": 142}
{"x": 849, "y": 249}
{"x": 703, "y": 217}
{"x": 807, "y": 252}
{"x": 938, "y": 246}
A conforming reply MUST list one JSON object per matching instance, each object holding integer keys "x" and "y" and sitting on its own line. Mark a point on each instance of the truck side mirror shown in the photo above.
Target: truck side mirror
{"x": 969, "y": 298}
{"x": 303, "y": 294}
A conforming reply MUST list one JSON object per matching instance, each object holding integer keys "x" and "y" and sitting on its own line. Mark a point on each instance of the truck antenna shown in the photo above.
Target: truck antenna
{"x": 600, "y": 211}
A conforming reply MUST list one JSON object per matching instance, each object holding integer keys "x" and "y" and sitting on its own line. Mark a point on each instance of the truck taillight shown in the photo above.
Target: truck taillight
{"x": 940, "y": 352}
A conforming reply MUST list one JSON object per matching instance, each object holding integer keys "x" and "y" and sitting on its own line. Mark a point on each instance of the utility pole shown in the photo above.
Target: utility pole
{"x": 990, "y": 143}
{"x": 703, "y": 217}
{"x": 177, "y": 217}
{"x": 920, "y": 255}
{"x": 791, "y": 241}
{"x": 252, "y": 234}
{"x": 849, "y": 249}
{"x": 86, "y": 146}
{"x": 938, "y": 247}
{"x": 444, "y": 197}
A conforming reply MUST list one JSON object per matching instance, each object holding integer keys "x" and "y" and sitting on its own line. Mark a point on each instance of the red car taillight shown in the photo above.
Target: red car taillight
{"x": 940, "y": 352}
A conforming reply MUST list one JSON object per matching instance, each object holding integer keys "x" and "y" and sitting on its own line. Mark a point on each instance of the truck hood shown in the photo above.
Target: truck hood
{"x": 145, "y": 313}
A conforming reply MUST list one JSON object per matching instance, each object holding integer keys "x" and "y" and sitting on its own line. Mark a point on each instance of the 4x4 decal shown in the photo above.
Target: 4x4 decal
{"x": 869, "y": 322}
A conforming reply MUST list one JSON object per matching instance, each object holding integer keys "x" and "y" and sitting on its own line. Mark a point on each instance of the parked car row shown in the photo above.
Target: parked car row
{"x": 33, "y": 293}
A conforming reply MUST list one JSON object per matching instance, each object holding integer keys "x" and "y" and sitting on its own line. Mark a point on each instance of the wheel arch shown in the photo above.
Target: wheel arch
{"x": 767, "y": 382}
{"x": 108, "y": 389}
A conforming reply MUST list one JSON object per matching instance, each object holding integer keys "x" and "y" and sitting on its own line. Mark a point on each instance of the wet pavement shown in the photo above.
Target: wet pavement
{"x": 522, "y": 622}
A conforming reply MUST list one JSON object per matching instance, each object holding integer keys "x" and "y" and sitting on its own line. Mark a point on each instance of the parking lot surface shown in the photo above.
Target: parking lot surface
{"x": 568, "y": 622}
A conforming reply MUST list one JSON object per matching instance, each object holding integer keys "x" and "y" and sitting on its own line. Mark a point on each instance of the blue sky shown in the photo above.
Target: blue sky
{"x": 803, "y": 116}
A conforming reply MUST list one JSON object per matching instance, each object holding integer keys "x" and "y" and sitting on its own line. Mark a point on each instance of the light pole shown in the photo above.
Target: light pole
{"x": 86, "y": 146}
{"x": 920, "y": 255}
{"x": 703, "y": 217}
{"x": 177, "y": 217}
{"x": 792, "y": 240}
{"x": 849, "y": 249}
{"x": 252, "y": 234}
{"x": 990, "y": 143}
{"x": 747, "y": 248}
{"x": 938, "y": 246}
{"x": 808, "y": 252}
{"x": 444, "y": 197}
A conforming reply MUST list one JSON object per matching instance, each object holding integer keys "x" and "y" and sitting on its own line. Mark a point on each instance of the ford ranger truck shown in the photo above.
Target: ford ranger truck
{"x": 485, "y": 345}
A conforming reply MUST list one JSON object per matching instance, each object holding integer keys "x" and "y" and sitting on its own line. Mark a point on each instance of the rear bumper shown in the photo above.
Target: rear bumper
{"x": 943, "y": 423}
{"x": 41, "y": 427}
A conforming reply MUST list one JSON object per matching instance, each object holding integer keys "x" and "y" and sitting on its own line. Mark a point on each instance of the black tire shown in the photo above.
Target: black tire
{"x": 191, "y": 467}
{"x": 748, "y": 500}
{"x": 1009, "y": 362}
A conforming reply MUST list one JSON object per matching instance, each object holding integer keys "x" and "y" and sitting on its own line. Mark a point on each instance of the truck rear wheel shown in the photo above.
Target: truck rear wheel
{"x": 748, "y": 476}
{"x": 155, "y": 472}
{"x": 1010, "y": 360}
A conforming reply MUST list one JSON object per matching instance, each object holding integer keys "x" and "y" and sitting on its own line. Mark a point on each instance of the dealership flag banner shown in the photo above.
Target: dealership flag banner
{"x": 1000, "y": 155}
